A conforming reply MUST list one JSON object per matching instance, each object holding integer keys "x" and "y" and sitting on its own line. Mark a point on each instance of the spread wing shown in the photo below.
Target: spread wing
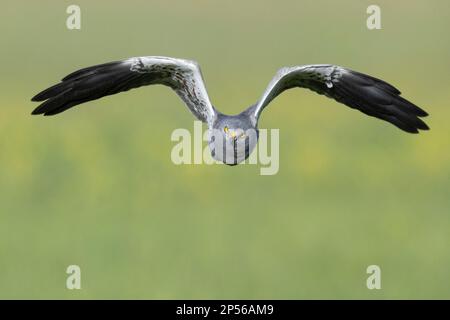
{"x": 92, "y": 83}
{"x": 369, "y": 95}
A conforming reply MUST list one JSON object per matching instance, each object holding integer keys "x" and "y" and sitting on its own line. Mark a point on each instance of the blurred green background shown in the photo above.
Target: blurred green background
{"x": 95, "y": 186}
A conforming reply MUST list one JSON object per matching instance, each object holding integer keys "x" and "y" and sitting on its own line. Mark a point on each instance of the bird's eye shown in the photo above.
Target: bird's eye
{"x": 242, "y": 136}
{"x": 225, "y": 129}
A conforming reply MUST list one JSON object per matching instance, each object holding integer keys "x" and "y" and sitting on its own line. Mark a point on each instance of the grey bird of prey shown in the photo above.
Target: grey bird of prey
{"x": 232, "y": 137}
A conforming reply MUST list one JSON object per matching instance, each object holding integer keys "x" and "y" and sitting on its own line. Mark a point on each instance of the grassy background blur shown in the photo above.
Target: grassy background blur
{"x": 95, "y": 186}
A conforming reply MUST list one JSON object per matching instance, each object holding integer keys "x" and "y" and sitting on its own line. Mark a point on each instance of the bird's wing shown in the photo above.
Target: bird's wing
{"x": 92, "y": 83}
{"x": 369, "y": 95}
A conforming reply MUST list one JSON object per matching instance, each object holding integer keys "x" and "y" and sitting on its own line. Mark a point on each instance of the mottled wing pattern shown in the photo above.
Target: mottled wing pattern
{"x": 92, "y": 83}
{"x": 369, "y": 95}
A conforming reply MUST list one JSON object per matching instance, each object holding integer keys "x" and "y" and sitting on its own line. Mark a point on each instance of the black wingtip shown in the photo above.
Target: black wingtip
{"x": 426, "y": 128}
{"x": 419, "y": 111}
{"x": 421, "y": 130}
{"x": 410, "y": 124}
{"x": 380, "y": 99}
{"x": 36, "y": 112}
{"x": 38, "y": 97}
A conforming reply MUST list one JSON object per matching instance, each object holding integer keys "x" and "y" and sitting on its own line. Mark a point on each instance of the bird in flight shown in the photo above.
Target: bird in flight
{"x": 232, "y": 137}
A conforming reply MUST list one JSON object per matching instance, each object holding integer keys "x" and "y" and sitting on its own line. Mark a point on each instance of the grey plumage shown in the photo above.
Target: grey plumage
{"x": 232, "y": 138}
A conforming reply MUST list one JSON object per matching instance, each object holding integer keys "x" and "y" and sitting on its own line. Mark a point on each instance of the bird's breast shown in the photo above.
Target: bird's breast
{"x": 231, "y": 151}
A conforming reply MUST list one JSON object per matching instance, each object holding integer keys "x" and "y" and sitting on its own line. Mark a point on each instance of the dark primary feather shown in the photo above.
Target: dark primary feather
{"x": 89, "y": 84}
{"x": 365, "y": 93}
{"x": 379, "y": 99}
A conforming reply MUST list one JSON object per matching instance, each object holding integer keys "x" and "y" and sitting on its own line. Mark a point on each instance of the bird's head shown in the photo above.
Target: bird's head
{"x": 232, "y": 139}
{"x": 234, "y": 134}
